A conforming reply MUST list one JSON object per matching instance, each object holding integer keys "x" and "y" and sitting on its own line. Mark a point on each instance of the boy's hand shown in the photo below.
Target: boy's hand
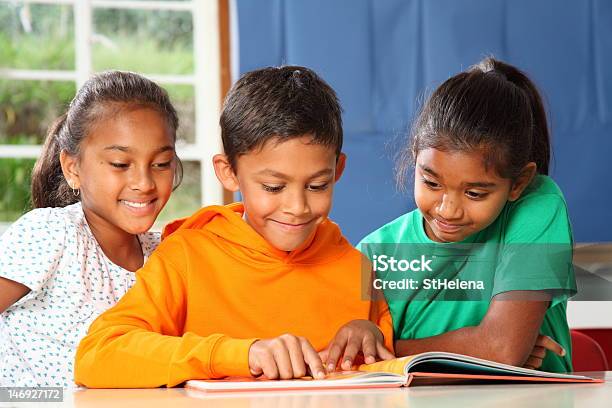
{"x": 284, "y": 357}
{"x": 354, "y": 337}
{"x": 538, "y": 353}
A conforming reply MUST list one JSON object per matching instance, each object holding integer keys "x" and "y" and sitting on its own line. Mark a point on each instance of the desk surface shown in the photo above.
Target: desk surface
{"x": 509, "y": 395}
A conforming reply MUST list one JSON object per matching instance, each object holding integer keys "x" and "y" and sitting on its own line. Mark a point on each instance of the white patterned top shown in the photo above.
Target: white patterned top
{"x": 53, "y": 252}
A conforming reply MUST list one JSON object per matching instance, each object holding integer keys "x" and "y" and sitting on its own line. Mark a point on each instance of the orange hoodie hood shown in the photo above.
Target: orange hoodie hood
{"x": 227, "y": 223}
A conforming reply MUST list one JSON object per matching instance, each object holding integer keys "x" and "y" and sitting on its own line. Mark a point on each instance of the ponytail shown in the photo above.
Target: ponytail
{"x": 49, "y": 187}
{"x": 540, "y": 136}
{"x": 540, "y": 148}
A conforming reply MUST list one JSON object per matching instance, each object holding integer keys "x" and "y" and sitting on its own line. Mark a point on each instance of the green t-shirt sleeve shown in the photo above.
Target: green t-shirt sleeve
{"x": 536, "y": 250}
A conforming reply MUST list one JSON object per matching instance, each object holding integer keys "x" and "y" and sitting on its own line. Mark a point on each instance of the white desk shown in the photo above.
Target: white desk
{"x": 473, "y": 396}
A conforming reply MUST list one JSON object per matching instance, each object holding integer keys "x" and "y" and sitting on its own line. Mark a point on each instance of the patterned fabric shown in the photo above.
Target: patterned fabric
{"x": 54, "y": 253}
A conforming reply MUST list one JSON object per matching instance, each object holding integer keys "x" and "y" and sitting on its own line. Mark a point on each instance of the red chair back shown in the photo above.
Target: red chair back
{"x": 603, "y": 337}
{"x": 587, "y": 354}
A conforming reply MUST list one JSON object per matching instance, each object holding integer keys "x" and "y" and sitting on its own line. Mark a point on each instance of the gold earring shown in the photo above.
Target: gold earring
{"x": 75, "y": 191}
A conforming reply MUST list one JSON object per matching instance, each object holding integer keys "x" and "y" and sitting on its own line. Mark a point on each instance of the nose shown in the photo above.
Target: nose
{"x": 449, "y": 208}
{"x": 296, "y": 203}
{"x": 142, "y": 180}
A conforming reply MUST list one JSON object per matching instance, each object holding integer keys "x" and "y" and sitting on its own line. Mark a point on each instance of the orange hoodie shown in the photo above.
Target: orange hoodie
{"x": 212, "y": 288}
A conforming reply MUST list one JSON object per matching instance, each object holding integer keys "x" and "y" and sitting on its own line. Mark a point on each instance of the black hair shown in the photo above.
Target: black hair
{"x": 279, "y": 103}
{"x": 492, "y": 107}
{"x": 91, "y": 103}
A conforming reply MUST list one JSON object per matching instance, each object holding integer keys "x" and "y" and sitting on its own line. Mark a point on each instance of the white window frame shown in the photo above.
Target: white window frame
{"x": 206, "y": 78}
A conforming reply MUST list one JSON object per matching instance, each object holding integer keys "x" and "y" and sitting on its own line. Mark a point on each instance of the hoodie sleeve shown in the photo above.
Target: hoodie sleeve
{"x": 140, "y": 341}
{"x": 379, "y": 309}
{"x": 381, "y": 316}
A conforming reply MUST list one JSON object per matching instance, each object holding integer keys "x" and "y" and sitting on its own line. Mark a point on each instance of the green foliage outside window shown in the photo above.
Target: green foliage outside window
{"x": 42, "y": 37}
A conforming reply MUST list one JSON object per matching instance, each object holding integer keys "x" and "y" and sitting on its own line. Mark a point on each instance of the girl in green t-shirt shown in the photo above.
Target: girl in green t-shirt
{"x": 491, "y": 233}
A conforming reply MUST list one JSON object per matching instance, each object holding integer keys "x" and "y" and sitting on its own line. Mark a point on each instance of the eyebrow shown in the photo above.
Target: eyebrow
{"x": 428, "y": 170}
{"x": 480, "y": 184}
{"x": 127, "y": 149}
{"x": 273, "y": 173}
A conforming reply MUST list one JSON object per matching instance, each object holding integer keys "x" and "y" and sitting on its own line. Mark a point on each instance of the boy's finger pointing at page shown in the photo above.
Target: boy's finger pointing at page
{"x": 335, "y": 350}
{"x": 353, "y": 347}
{"x": 312, "y": 359}
{"x": 383, "y": 352}
{"x": 369, "y": 349}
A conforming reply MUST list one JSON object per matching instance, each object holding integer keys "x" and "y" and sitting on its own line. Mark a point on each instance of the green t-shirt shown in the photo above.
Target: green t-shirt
{"x": 528, "y": 247}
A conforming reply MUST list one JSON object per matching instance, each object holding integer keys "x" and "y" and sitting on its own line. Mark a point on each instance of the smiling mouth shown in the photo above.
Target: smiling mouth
{"x": 137, "y": 204}
{"x": 292, "y": 226}
{"x": 446, "y": 227}
{"x": 139, "y": 208}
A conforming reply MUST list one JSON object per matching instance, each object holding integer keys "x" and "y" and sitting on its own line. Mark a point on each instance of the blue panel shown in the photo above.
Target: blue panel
{"x": 458, "y": 34}
{"x": 261, "y": 33}
{"x": 366, "y": 196}
{"x": 397, "y": 54}
{"x": 555, "y": 53}
{"x": 383, "y": 56}
{"x": 334, "y": 39}
{"x": 602, "y": 55}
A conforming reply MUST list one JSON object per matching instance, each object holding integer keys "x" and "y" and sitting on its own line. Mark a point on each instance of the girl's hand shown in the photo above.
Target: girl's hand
{"x": 354, "y": 337}
{"x": 538, "y": 353}
{"x": 284, "y": 357}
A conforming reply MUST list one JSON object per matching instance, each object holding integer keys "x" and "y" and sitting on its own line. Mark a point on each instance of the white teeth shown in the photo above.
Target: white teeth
{"x": 135, "y": 205}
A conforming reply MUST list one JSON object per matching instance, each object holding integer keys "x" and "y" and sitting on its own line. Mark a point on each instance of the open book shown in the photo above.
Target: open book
{"x": 431, "y": 368}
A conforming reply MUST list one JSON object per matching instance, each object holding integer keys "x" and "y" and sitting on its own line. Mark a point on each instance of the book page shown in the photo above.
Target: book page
{"x": 395, "y": 366}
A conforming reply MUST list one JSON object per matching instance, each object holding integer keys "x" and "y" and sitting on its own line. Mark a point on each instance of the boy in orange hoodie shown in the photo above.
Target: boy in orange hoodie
{"x": 266, "y": 287}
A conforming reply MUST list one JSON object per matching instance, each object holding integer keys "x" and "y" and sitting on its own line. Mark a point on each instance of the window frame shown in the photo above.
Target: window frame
{"x": 206, "y": 79}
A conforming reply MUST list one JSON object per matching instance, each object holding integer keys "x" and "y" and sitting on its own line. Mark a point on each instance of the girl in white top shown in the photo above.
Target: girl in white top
{"x": 107, "y": 169}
